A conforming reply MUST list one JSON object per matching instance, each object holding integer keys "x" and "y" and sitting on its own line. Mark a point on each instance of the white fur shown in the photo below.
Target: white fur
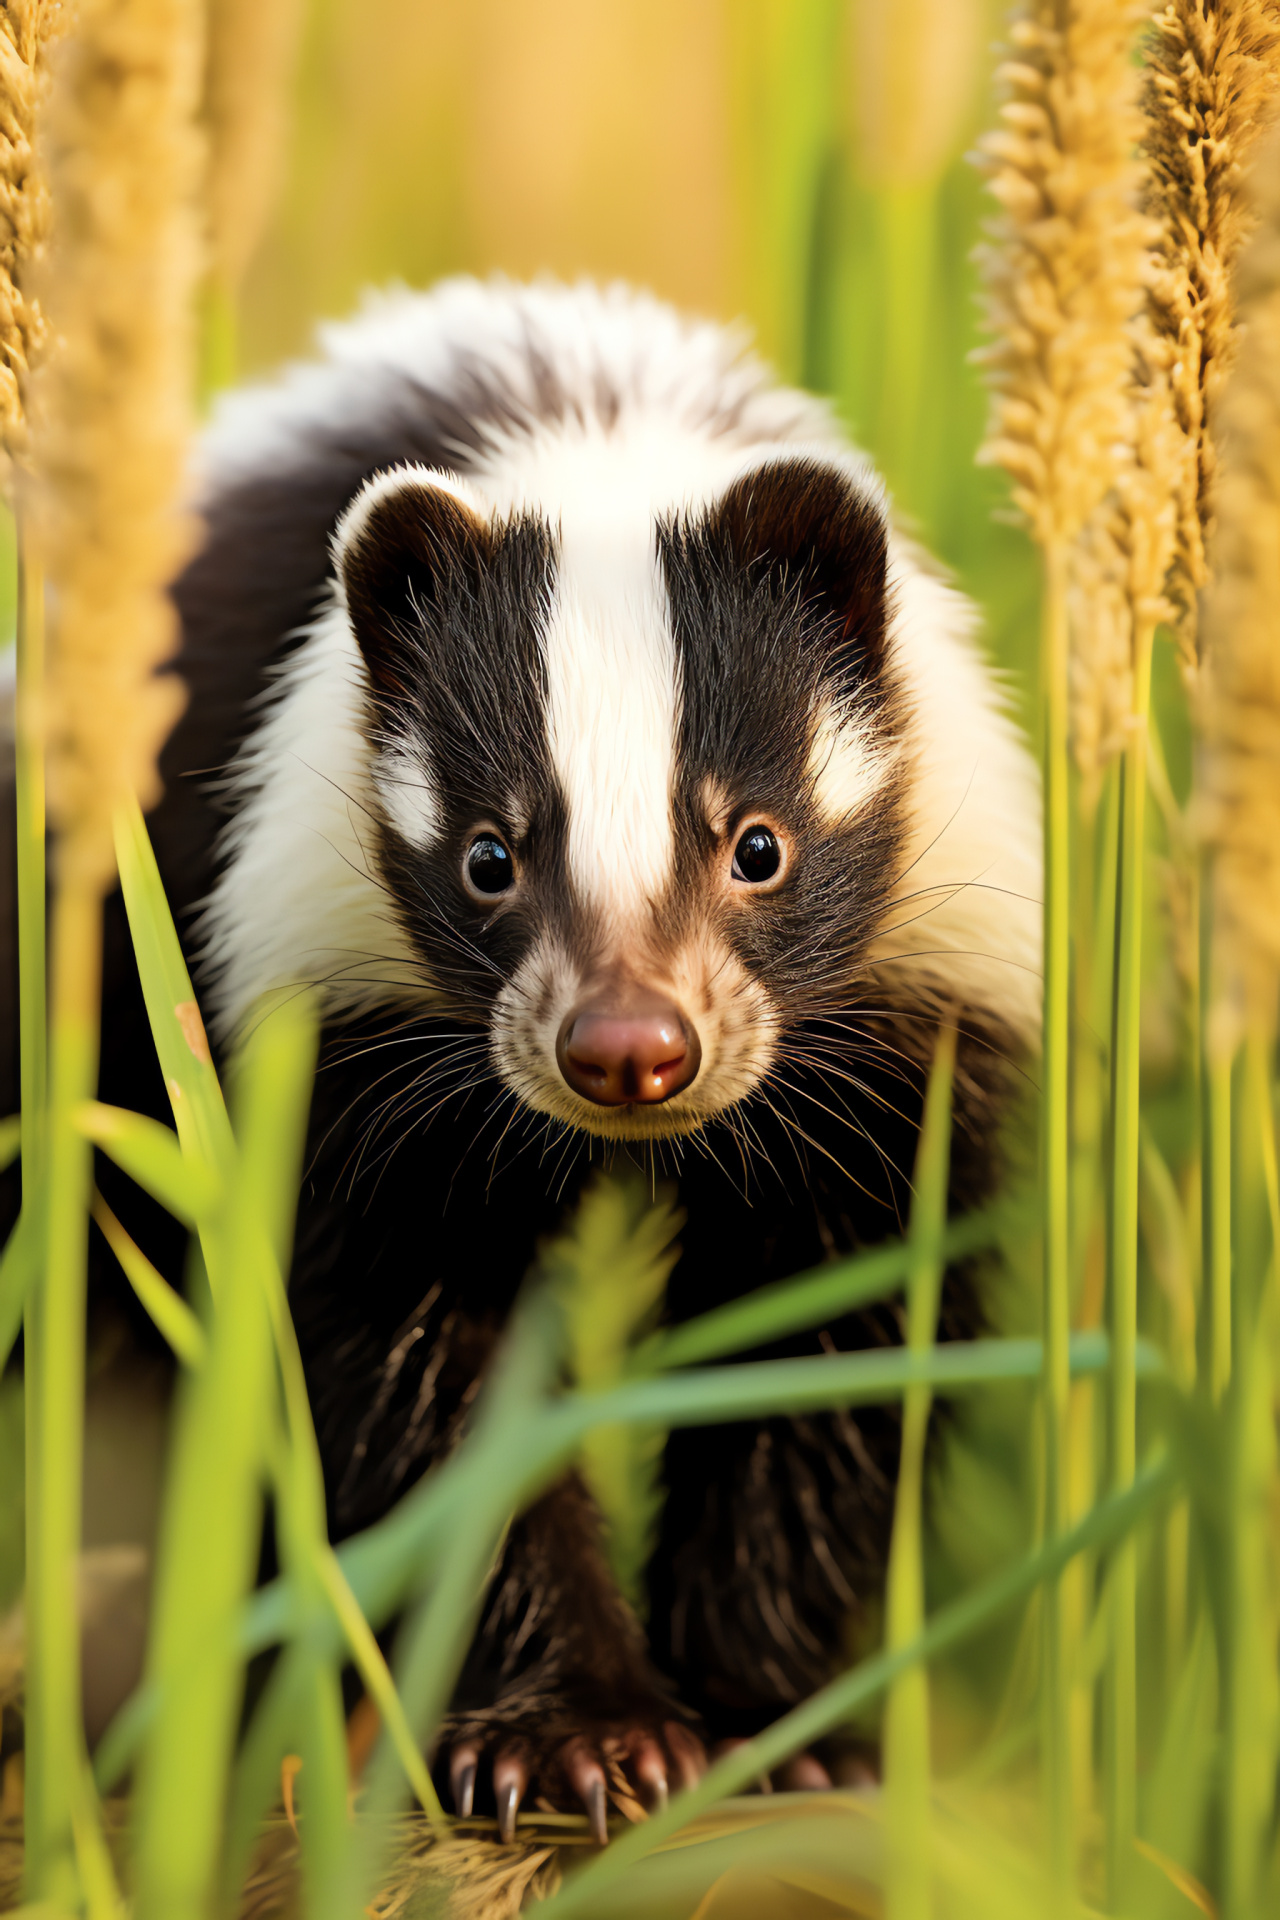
{"x": 967, "y": 924}
{"x": 297, "y": 898}
{"x": 847, "y": 765}
{"x": 683, "y": 370}
{"x": 409, "y": 795}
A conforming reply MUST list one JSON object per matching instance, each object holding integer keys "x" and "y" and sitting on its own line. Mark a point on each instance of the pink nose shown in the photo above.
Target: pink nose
{"x": 627, "y": 1045}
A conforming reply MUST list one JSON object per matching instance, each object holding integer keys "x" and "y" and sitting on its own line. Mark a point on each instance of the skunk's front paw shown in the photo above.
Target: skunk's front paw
{"x": 633, "y": 1760}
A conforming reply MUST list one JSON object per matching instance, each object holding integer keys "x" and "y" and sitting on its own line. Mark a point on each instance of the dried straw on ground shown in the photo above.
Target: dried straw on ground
{"x": 27, "y": 29}
{"x": 1066, "y": 265}
{"x": 1212, "y": 77}
{"x": 251, "y": 51}
{"x": 1241, "y": 708}
{"x": 111, "y": 410}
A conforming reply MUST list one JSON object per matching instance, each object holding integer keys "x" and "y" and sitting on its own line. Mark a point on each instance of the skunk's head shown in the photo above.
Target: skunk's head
{"x": 639, "y": 774}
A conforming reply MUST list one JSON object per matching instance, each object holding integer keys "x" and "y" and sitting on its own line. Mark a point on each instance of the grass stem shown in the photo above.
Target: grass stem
{"x": 55, "y": 1367}
{"x": 909, "y": 1888}
{"x": 1055, "y": 1149}
{"x": 1121, "y": 1793}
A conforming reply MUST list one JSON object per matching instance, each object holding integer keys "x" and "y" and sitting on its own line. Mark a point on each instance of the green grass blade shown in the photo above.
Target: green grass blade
{"x": 609, "y": 1271}
{"x": 168, "y": 1310}
{"x": 1055, "y": 1194}
{"x": 19, "y": 1264}
{"x": 838, "y": 1701}
{"x": 209, "y": 1539}
{"x": 808, "y": 1300}
{"x": 1122, "y": 1278}
{"x": 199, "y": 1110}
{"x": 150, "y": 1154}
{"x": 55, "y": 1366}
{"x": 907, "y": 1763}
{"x": 273, "y": 1732}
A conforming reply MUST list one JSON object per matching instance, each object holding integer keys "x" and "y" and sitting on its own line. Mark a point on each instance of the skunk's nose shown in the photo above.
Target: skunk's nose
{"x": 625, "y": 1045}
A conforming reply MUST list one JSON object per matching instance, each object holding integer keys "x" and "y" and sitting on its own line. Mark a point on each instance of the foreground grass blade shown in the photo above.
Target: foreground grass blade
{"x": 610, "y": 1271}
{"x": 19, "y": 1264}
{"x": 907, "y": 1765}
{"x": 199, "y": 1110}
{"x": 55, "y": 1363}
{"x": 1122, "y": 1651}
{"x": 1055, "y": 1171}
{"x": 836, "y": 1703}
{"x": 209, "y": 1540}
{"x": 149, "y": 1154}
{"x": 809, "y": 1300}
{"x": 384, "y": 1562}
{"x": 168, "y": 1310}
{"x": 433, "y": 1643}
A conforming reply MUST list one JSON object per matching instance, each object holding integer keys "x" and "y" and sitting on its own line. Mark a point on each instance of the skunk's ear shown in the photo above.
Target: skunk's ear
{"x": 406, "y": 544}
{"x": 801, "y": 525}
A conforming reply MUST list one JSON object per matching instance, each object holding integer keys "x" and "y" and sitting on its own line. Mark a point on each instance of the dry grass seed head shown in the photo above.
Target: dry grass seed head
{"x": 111, "y": 409}
{"x": 1241, "y": 697}
{"x": 1065, "y": 262}
{"x": 1120, "y": 561}
{"x": 1213, "y": 67}
{"x": 27, "y": 28}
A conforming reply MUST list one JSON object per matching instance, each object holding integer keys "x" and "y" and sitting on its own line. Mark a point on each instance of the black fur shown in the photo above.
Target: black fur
{"x": 422, "y": 1207}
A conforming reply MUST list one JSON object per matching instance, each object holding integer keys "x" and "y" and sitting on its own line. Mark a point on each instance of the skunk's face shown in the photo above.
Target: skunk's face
{"x": 639, "y": 776}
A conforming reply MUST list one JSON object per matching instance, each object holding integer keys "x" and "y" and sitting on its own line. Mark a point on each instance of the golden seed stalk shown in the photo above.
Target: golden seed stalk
{"x": 111, "y": 410}
{"x": 27, "y": 29}
{"x": 1065, "y": 264}
{"x": 1213, "y": 67}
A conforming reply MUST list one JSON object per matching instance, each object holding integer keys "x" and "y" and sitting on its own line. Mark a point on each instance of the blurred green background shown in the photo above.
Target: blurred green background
{"x": 798, "y": 164}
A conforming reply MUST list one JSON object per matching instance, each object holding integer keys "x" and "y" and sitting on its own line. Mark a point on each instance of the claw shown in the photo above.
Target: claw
{"x": 510, "y": 1778}
{"x": 586, "y": 1777}
{"x": 508, "y": 1807}
{"x": 651, "y": 1771}
{"x": 596, "y": 1812}
{"x": 462, "y": 1779}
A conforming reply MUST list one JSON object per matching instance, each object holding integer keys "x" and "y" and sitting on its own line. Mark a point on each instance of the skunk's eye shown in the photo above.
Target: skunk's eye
{"x": 757, "y": 856}
{"x": 488, "y": 867}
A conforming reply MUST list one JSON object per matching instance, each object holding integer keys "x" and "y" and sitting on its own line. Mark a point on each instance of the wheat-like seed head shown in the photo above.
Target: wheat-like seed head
{"x": 1066, "y": 260}
{"x": 1212, "y": 75}
{"x": 27, "y": 28}
{"x": 111, "y": 408}
{"x": 1240, "y": 707}
{"x": 1120, "y": 561}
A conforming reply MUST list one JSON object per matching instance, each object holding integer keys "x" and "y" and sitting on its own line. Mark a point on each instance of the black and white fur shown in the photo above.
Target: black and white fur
{"x": 558, "y": 563}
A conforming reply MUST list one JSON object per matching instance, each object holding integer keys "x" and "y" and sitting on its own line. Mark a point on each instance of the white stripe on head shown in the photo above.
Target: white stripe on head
{"x": 612, "y": 708}
{"x": 612, "y": 672}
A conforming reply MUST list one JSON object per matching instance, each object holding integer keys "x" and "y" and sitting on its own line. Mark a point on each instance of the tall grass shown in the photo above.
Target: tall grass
{"x": 1083, "y": 1715}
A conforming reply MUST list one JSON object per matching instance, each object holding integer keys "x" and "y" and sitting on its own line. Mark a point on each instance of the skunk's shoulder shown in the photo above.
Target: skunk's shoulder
{"x": 472, "y": 363}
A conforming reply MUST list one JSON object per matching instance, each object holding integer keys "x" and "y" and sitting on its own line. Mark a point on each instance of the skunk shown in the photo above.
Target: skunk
{"x": 567, "y": 709}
